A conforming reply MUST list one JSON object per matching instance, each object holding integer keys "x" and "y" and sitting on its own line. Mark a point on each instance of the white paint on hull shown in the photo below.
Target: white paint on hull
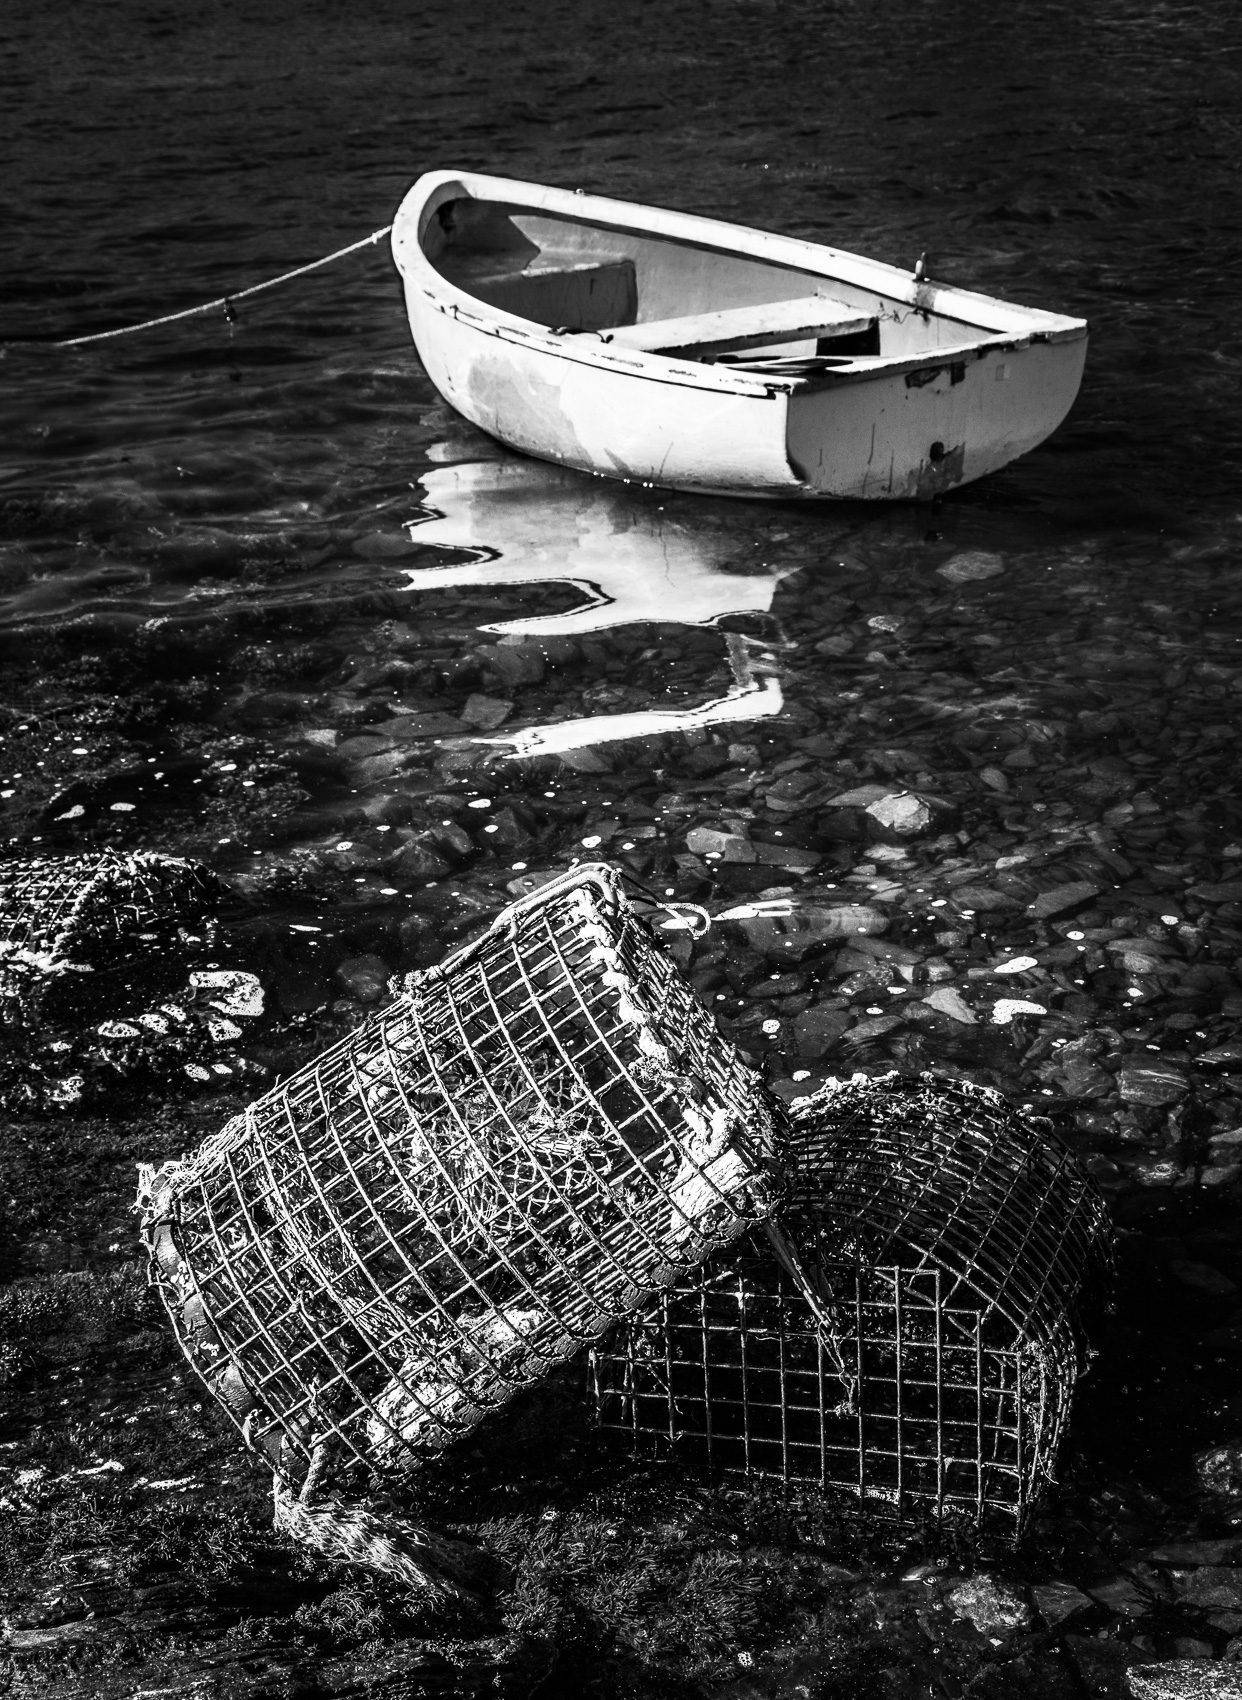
{"x": 962, "y": 383}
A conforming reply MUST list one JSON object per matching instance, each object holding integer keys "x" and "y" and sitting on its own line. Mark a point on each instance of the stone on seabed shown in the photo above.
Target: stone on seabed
{"x": 364, "y": 977}
{"x": 1186, "y": 1679}
{"x": 901, "y": 813}
{"x": 1151, "y": 1086}
{"x": 1220, "y": 1469}
{"x": 791, "y": 936}
{"x": 728, "y": 846}
{"x": 991, "y": 1605}
{"x": 971, "y": 564}
{"x": 1057, "y": 1601}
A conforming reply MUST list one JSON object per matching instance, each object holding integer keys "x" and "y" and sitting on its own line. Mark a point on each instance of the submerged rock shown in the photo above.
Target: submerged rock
{"x": 971, "y": 566}
{"x": 1056, "y": 1602}
{"x": 364, "y": 977}
{"x": 994, "y": 1607}
{"x": 1186, "y": 1679}
{"x": 1220, "y": 1470}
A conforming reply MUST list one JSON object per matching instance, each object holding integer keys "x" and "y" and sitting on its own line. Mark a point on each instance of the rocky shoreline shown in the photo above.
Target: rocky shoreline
{"x": 965, "y": 844}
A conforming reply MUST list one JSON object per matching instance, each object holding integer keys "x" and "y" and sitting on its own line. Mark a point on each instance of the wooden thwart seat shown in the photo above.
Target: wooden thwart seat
{"x": 735, "y": 328}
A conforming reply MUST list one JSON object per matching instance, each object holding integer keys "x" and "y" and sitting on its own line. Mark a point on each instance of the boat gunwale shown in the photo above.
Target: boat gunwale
{"x": 422, "y": 199}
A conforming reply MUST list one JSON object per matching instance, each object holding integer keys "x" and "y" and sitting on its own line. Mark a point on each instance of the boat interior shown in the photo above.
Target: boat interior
{"x": 661, "y": 294}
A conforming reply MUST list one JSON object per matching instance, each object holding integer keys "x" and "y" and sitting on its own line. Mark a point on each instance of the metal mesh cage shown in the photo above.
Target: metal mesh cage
{"x": 910, "y": 1331}
{"x": 74, "y": 929}
{"x": 528, "y": 1145}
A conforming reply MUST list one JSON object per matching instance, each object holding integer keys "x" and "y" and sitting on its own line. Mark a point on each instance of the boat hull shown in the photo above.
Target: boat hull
{"x": 601, "y": 419}
{"x": 909, "y": 427}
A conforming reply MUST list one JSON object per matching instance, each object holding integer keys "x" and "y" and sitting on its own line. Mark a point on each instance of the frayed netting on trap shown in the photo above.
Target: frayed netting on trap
{"x": 527, "y": 1145}
{"x": 74, "y": 928}
{"x": 910, "y": 1331}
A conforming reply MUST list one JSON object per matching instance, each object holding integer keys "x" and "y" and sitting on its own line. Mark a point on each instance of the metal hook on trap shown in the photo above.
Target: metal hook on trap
{"x": 686, "y": 917}
{"x": 683, "y": 916}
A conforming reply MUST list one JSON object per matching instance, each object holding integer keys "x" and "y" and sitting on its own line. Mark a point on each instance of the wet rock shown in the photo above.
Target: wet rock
{"x": 789, "y": 793}
{"x": 452, "y": 841}
{"x": 983, "y": 898}
{"x": 431, "y": 724}
{"x": 1151, "y": 1085}
{"x": 231, "y": 991}
{"x": 950, "y": 1002}
{"x": 789, "y": 936}
{"x": 586, "y": 760}
{"x": 1059, "y": 899}
{"x": 1122, "y": 1596}
{"x": 364, "y": 977}
{"x": 484, "y": 712}
{"x": 380, "y": 769}
{"x": 719, "y": 845}
{"x": 1221, "y": 1174}
{"x": 1220, "y": 1470}
{"x": 507, "y": 829}
{"x": 1186, "y": 1679}
{"x": 796, "y": 857}
{"x": 1196, "y": 1552}
{"x": 362, "y": 744}
{"x": 971, "y": 565}
{"x": 1209, "y": 1587}
{"x": 861, "y": 797}
{"x": 1075, "y": 1069}
{"x": 513, "y": 664}
{"x": 1005, "y": 1010}
{"x": 1056, "y": 1602}
{"x": 1154, "y": 1171}
{"x": 418, "y": 861}
{"x": 900, "y": 814}
{"x": 1222, "y": 1056}
{"x": 995, "y": 1608}
{"x": 817, "y": 1030}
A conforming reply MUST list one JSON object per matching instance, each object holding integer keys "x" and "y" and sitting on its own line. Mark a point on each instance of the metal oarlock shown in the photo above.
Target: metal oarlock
{"x": 909, "y": 1331}
{"x": 535, "y": 1139}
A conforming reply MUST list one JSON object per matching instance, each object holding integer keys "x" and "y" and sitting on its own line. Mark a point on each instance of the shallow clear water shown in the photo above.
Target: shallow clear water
{"x": 362, "y": 619}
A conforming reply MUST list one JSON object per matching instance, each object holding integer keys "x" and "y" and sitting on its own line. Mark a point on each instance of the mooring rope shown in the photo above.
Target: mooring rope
{"x": 222, "y": 303}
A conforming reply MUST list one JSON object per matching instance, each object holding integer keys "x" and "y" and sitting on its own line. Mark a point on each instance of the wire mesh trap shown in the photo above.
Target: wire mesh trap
{"x": 76, "y": 931}
{"x": 911, "y": 1329}
{"x": 533, "y": 1140}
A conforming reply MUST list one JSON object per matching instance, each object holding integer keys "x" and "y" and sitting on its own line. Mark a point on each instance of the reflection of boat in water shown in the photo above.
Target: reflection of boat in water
{"x": 629, "y": 560}
{"x": 668, "y": 349}
{"x": 754, "y": 694}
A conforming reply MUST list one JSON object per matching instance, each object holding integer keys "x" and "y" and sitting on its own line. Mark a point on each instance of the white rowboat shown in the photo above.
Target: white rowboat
{"x": 681, "y": 351}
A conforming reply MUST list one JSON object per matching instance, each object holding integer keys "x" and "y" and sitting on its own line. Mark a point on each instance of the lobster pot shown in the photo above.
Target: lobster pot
{"x": 79, "y": 932}
{"x": 911, "y": 1329}
{"x": 530, "y": 1143}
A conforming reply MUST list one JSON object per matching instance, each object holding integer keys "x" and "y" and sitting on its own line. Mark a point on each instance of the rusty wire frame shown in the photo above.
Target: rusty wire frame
{"x": 535, "y": 1139}
{"x": 73, "y": 928}
{"x": 909, "y": 1332}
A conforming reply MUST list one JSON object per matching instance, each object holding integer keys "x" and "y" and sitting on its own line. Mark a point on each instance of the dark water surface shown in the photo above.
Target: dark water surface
{"x": 386, "y": 671}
